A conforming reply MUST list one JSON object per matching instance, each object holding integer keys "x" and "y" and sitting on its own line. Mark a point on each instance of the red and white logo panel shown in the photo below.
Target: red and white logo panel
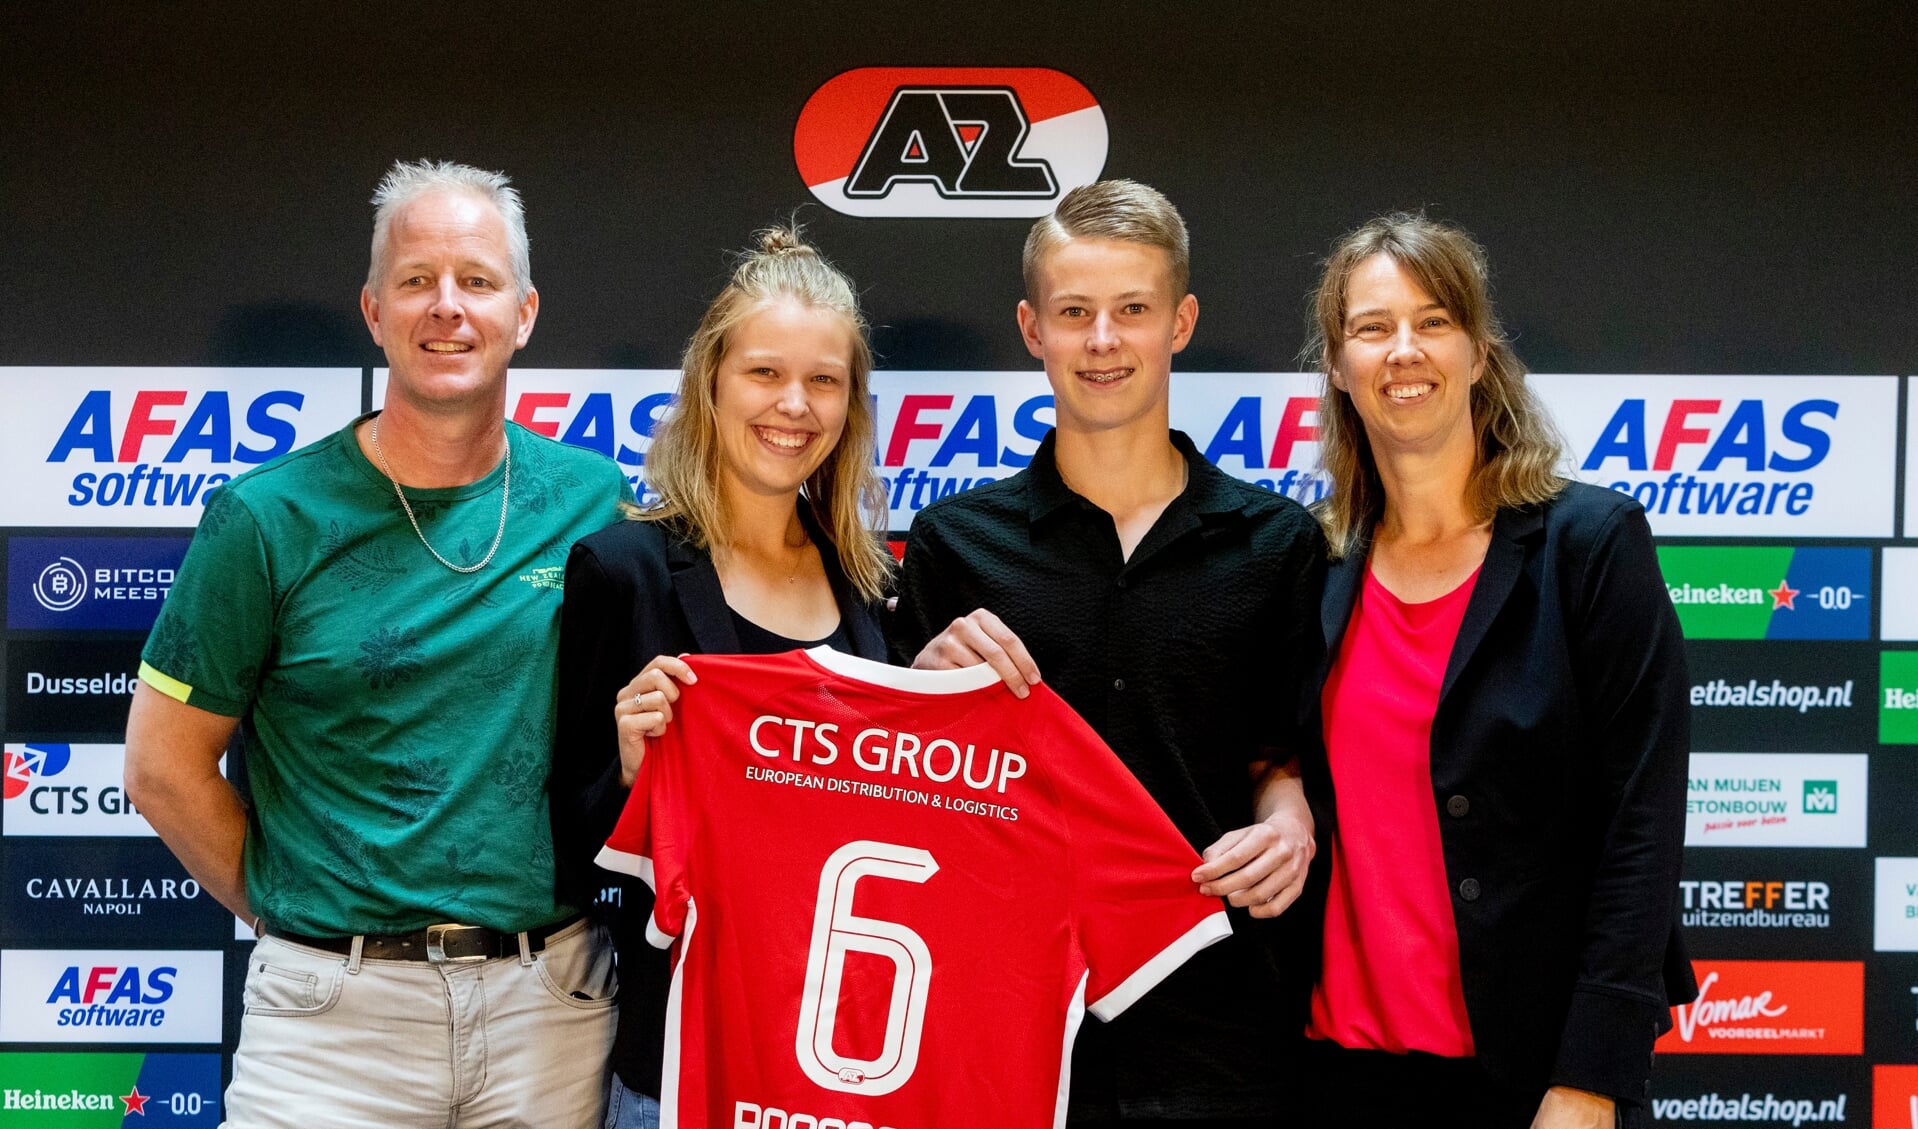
{"x": 952, "y": 142}
{"x": 1771, "y": 1007}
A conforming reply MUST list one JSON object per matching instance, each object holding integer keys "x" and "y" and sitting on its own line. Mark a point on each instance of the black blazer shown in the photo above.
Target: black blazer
{"x": 634, "y": 591}
{"x": 1559, "y": 757}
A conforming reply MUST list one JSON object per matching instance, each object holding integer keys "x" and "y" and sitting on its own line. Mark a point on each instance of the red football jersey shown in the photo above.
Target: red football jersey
{"x": 893, "y": 894}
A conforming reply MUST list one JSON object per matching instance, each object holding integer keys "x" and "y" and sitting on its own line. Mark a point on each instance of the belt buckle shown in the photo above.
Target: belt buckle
{"x": 436, "y": 943}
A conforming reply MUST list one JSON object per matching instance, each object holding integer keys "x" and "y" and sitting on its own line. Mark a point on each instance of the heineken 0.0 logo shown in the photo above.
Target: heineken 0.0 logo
{"x": 1769, "y": 592}
{"x": 1898, "y": 698}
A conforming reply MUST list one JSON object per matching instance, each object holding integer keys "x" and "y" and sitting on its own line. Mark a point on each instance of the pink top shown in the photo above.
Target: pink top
{"x": 1391, "y": 976}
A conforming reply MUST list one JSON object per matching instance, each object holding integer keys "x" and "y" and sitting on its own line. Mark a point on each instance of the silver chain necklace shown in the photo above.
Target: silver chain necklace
{"x": 506, "y": 491}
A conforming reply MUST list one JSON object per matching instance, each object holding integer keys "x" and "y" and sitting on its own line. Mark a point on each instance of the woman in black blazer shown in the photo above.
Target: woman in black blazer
{"x": 1506, "y": 716}
{"x": 761, "y": 541}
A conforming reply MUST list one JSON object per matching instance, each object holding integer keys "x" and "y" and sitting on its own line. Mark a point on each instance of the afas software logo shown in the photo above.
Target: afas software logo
{"x": 1753, "y": 592}
{"x": 110, "y": 996}
{"x": 108, "y": 1091}
{"x": 144, "y": 447}
{"x": 950, "y": 142}
{"x": 1737, "y": 456}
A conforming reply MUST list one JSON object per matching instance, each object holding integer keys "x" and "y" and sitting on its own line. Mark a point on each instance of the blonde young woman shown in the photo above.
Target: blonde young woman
{"x": 761, "y": 541}
{"x": 1506, "y": 725}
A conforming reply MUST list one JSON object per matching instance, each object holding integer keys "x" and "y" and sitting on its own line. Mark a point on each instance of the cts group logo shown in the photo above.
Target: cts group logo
{"x": 143, "y": 447}
{"x": 67, "y": 790}
{"x": 90, "y": 583}
{"x": 949, "y": 141}
{"x": 1895, "y": 906}
{"x": 1737, "y": 456}
{"x": 110, "y": 996}
{"x": 1751, "y": 592}
{"x": 1749, "y": 1007}
{"x": 1775, "y": 800}
{"x": 108, "y": 1091}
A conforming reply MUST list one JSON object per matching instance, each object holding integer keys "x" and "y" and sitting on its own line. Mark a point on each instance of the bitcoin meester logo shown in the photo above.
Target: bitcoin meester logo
{"x": 61, "y": 585}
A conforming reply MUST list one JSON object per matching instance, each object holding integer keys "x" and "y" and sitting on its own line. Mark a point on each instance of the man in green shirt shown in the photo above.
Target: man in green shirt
{"x": 378, "y": 612}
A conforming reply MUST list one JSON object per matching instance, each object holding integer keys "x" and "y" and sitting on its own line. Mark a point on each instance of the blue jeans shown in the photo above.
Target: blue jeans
{"x": 629, "y": 1109}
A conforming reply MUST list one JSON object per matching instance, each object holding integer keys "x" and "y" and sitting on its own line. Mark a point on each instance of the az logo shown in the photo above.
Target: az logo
{"x": 949, "y": 141}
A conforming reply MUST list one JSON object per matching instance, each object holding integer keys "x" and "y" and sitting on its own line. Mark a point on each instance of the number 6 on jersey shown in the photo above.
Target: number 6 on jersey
{"x": 837, "y": 931}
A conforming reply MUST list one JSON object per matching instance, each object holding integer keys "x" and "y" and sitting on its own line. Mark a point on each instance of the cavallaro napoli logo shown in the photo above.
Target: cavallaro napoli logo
{"x": 61, "y": 586}
{"x": 950, "y": 142}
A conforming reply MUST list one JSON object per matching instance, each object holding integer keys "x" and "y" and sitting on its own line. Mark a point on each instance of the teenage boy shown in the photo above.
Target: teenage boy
{"x": 1176, "y": 609}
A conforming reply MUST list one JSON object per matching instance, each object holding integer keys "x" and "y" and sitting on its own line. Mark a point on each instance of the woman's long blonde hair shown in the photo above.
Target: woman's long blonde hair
{"x": 846, "y": 497}
{"x": 1519, "y": 450}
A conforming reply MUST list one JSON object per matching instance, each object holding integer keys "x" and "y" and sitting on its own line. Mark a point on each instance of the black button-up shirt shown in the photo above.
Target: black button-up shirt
{"x": 1189, "y": 659}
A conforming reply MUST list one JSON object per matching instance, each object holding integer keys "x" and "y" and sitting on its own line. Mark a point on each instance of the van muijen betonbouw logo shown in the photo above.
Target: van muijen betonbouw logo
{"x": 1776, "y": 800}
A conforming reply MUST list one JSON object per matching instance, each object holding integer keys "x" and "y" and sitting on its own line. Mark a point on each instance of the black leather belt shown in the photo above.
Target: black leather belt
{"x": 440, "y": 944}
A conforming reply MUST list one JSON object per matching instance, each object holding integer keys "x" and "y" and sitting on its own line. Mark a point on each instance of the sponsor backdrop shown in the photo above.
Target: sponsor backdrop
{"x": 1720, "y": 308}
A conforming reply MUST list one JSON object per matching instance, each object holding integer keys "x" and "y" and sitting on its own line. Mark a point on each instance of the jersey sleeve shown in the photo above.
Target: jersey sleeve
{"x": 653, "y": 837}
{"x": 1135, "y": 908}
{"x": 214, "y": 633}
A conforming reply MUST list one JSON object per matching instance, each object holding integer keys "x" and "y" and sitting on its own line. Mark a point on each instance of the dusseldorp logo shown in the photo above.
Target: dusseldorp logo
{"x": 949, "y": 141}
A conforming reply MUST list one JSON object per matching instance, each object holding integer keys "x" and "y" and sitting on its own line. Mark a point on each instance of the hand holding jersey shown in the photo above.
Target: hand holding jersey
{"x": 981, "y": 637}
{"x": 644, "y": 708}
{"x": 1261, "y": 867}
{"x": 929, "y": 879}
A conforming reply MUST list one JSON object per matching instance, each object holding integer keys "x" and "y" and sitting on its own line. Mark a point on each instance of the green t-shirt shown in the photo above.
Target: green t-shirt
{"x": 398, "y": 715}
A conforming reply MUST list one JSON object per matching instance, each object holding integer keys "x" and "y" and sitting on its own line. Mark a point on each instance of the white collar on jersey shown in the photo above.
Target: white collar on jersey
{"x": 963, "y": 680}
